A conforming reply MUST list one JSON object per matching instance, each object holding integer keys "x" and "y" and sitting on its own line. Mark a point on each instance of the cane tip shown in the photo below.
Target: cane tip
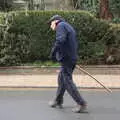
{"x": 110, "y": 91}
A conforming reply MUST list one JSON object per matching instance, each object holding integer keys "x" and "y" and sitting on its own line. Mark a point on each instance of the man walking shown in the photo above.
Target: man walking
{"x": 65, "y": 52}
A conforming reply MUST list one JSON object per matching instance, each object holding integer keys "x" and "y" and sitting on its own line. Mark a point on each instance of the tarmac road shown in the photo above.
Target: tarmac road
{"x": 33, "y": 105}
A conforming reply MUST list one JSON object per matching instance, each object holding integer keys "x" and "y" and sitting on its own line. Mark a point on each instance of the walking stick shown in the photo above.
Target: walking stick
{"x": 79, "y": 67}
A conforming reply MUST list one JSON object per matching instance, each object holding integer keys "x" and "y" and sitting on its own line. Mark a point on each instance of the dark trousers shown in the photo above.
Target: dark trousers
{"x": 65, "y": 82}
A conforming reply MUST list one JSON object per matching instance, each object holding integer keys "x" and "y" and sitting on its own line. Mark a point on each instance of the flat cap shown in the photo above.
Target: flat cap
{"x": 55, "y": 17}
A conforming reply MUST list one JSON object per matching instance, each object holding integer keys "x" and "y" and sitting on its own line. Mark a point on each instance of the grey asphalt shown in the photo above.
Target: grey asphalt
{"x": 33, "y": 105}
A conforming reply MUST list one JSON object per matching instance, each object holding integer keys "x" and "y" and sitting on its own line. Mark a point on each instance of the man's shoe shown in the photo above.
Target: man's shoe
{"x": 54, "y": 104}
{"x": 80, "y": 109}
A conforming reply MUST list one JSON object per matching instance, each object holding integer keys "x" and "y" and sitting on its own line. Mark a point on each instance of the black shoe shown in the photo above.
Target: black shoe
{"x": 54, "y": 104}
{"x": 80, "y": 109}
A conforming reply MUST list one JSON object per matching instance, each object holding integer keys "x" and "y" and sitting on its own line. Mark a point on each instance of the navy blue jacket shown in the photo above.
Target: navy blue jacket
{"x": 65, "y": 46}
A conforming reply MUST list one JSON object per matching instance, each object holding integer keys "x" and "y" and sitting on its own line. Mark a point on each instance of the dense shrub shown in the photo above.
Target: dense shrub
{"x": 29, "y": 37}
{"x": 112, "y": 49}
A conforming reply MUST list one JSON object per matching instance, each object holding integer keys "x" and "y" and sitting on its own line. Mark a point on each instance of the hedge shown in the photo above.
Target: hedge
{"x": 29, "y": 38}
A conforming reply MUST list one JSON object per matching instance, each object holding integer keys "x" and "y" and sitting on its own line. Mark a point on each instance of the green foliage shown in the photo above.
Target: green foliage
{"x": 115, "y": 7}
{"x": 13, "y": 49}
{"x": 89, "y": 5}
{"x": 30, "y": 39}
{"x": 116, "y": 33}
{"x": 94, "y": 5}
{"x": 6, "y": 5}
{"x": 116, "y": 20}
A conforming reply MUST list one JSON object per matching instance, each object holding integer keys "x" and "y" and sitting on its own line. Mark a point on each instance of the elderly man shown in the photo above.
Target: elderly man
{"x": 65, "y": 52}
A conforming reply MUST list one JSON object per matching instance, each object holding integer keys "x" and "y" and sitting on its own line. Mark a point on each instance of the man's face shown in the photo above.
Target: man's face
{"x": 53, "y": 25}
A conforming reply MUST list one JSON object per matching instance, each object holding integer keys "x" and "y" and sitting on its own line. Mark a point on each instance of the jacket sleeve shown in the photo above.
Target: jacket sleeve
{"x": 61, "y": 35}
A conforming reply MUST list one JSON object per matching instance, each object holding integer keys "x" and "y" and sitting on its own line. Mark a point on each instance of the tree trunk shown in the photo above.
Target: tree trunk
{"x": 31, "y": 7}
{"x": 75, "y": 4}
{"x": 104, "y": 12}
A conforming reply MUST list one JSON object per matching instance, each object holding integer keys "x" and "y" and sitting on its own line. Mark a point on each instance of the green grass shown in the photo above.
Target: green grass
{"x": 43, "y": 64}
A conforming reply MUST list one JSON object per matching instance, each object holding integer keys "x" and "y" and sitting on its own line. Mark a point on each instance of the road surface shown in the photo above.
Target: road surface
{"x": 32, "y": 104}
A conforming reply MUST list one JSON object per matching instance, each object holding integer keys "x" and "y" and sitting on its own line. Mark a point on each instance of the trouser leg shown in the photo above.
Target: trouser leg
{"x": 69, "y": 85}
{"x": 60, "y": 89}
